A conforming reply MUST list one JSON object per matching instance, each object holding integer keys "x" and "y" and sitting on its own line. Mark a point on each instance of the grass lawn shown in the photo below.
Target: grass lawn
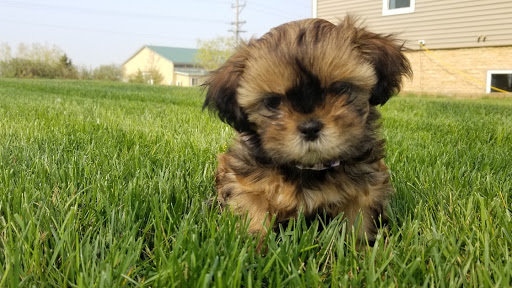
{"x": 103, "y": 185}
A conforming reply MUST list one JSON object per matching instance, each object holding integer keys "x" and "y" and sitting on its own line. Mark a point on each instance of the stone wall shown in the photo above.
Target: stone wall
{"x": 455, "y": 72}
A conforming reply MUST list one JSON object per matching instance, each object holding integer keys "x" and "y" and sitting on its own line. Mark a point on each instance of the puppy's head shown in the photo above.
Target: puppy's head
{"x": 306, "y": 88}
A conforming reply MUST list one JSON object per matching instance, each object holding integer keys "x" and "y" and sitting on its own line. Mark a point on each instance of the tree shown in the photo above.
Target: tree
{"x": 213, "y": 53}
{"x": 152, "y": 76}
{"x": 40, "y": 53}
{"x": 84, "y": 73}
{"x": 111, "y": 72}
{"x": 25, "y": 68}
{"x": 137, "y": 77}
{"x": 65, "y": 62}
{"x": 35, "y": 61}
{"x": 155, "y": 76}
{"x": 5, "y": 57}
{"x": 5, "y": 52}
{"x": 66, "y": 67}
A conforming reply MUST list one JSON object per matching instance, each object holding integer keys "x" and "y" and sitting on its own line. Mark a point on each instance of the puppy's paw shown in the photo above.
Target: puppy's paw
{"x": 211, "y": 204}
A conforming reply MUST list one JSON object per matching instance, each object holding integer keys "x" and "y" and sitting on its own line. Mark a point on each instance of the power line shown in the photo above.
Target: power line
{"x": 237, "y": 24}
{"x": 41, "y": 7}
{"x": 75, "y": 28}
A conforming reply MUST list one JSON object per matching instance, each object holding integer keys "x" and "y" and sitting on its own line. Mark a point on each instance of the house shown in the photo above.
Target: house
{"x": 176, "y": 65}
{"x": 456, "y": 47}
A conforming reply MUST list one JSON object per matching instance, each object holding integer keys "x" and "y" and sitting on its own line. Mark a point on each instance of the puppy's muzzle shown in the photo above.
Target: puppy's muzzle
{"x": 310, "y": 129}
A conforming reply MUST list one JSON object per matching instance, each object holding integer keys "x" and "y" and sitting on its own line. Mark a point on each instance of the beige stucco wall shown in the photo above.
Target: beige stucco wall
{"x": 186, "y": 80}
{"x": 181, "y": 80}
{"x": 145, "y": 60}
{"x": 201, "y": 79}
{"x": 455, "y": 72}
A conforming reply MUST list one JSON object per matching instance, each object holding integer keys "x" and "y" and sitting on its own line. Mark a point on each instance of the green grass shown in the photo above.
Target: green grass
{"x": 103, "y": 185}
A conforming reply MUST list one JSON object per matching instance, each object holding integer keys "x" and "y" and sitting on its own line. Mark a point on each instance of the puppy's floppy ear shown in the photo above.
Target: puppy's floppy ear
{"x": 222, "y": 86}
{"x": 390, "y": 64}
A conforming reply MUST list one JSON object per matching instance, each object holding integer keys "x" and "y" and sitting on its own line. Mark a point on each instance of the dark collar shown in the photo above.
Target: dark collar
{"x": 252, "y": 141}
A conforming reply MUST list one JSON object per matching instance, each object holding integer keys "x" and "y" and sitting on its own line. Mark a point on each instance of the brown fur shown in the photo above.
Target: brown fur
{"x": 302, "y": 74}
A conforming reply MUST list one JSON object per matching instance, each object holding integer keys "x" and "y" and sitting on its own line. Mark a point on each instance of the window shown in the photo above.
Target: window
{"x": 394, "y": 7}
{"x": 194, "y": 81}
{"x": 501, "y": 79}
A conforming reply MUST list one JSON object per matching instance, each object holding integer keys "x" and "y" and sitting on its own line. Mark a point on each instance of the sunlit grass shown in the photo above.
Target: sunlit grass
{"x": 103, "y": 185}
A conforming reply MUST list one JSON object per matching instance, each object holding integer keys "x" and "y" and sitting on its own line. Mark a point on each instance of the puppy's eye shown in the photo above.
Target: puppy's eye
{"x": 343, "y": 89}
{"x": 340, "y": 88}
{"x": 273, "y": 102}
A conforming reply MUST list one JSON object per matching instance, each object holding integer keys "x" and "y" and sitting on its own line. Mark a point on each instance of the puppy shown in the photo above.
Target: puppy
{"x": 302, "y": 100}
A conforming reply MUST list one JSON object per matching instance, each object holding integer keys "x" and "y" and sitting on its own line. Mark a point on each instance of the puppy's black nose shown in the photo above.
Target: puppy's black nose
{"x": 310, "y": 129}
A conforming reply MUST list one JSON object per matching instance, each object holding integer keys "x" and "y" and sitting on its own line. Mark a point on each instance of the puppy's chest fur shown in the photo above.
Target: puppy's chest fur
{"x": 254, "y": 185}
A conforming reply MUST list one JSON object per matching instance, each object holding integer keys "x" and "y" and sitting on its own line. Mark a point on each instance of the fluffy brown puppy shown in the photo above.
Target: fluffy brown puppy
{"x": 302, "y": 99}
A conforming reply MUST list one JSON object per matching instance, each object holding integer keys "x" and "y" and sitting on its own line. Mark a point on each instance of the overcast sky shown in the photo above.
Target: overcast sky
{"x": 96, "y": 32}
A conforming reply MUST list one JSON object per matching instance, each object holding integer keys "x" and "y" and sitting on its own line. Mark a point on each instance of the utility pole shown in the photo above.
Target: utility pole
{"x": 238, "y": 7}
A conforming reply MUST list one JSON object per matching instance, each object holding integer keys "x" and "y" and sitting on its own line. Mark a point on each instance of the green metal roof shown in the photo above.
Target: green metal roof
{"x": 176, "y": 55}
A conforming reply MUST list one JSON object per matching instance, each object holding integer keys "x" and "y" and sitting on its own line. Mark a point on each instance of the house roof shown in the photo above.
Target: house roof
{"x": 173, "y": 54}
{"x": 176, "y": 55}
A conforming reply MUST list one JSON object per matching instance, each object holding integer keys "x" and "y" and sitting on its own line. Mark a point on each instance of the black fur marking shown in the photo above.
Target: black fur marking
{"x": 253, "y": 156}
{"x": 318, "y": 27}
{"x": 222, "y": 86}
{"x": 301, "y": 37}
{"x": 224, "y": 102}
{"x": 390, "y": 65}
{"x": 386, "y": 86}
{"x": 309, "y": 179}
{"x": 307, "y": 92}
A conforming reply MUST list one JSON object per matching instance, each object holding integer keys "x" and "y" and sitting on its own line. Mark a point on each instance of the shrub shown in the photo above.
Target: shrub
{"x": 36, "y": 61}
{"x": 152, "y": 76}
{"x": 112, "y": 72}
{"x": 25, "y": 68}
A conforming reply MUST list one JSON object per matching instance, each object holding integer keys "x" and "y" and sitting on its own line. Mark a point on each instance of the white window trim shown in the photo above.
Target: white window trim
{"x": 489, "y": 73}
{"x": 386, "y": 11}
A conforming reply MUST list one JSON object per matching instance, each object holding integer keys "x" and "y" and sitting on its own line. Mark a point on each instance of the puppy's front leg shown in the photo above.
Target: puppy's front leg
{"x": 370, "y": 204}
{"x": 367, "y": 219}
{"x": 243, "y": 198}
